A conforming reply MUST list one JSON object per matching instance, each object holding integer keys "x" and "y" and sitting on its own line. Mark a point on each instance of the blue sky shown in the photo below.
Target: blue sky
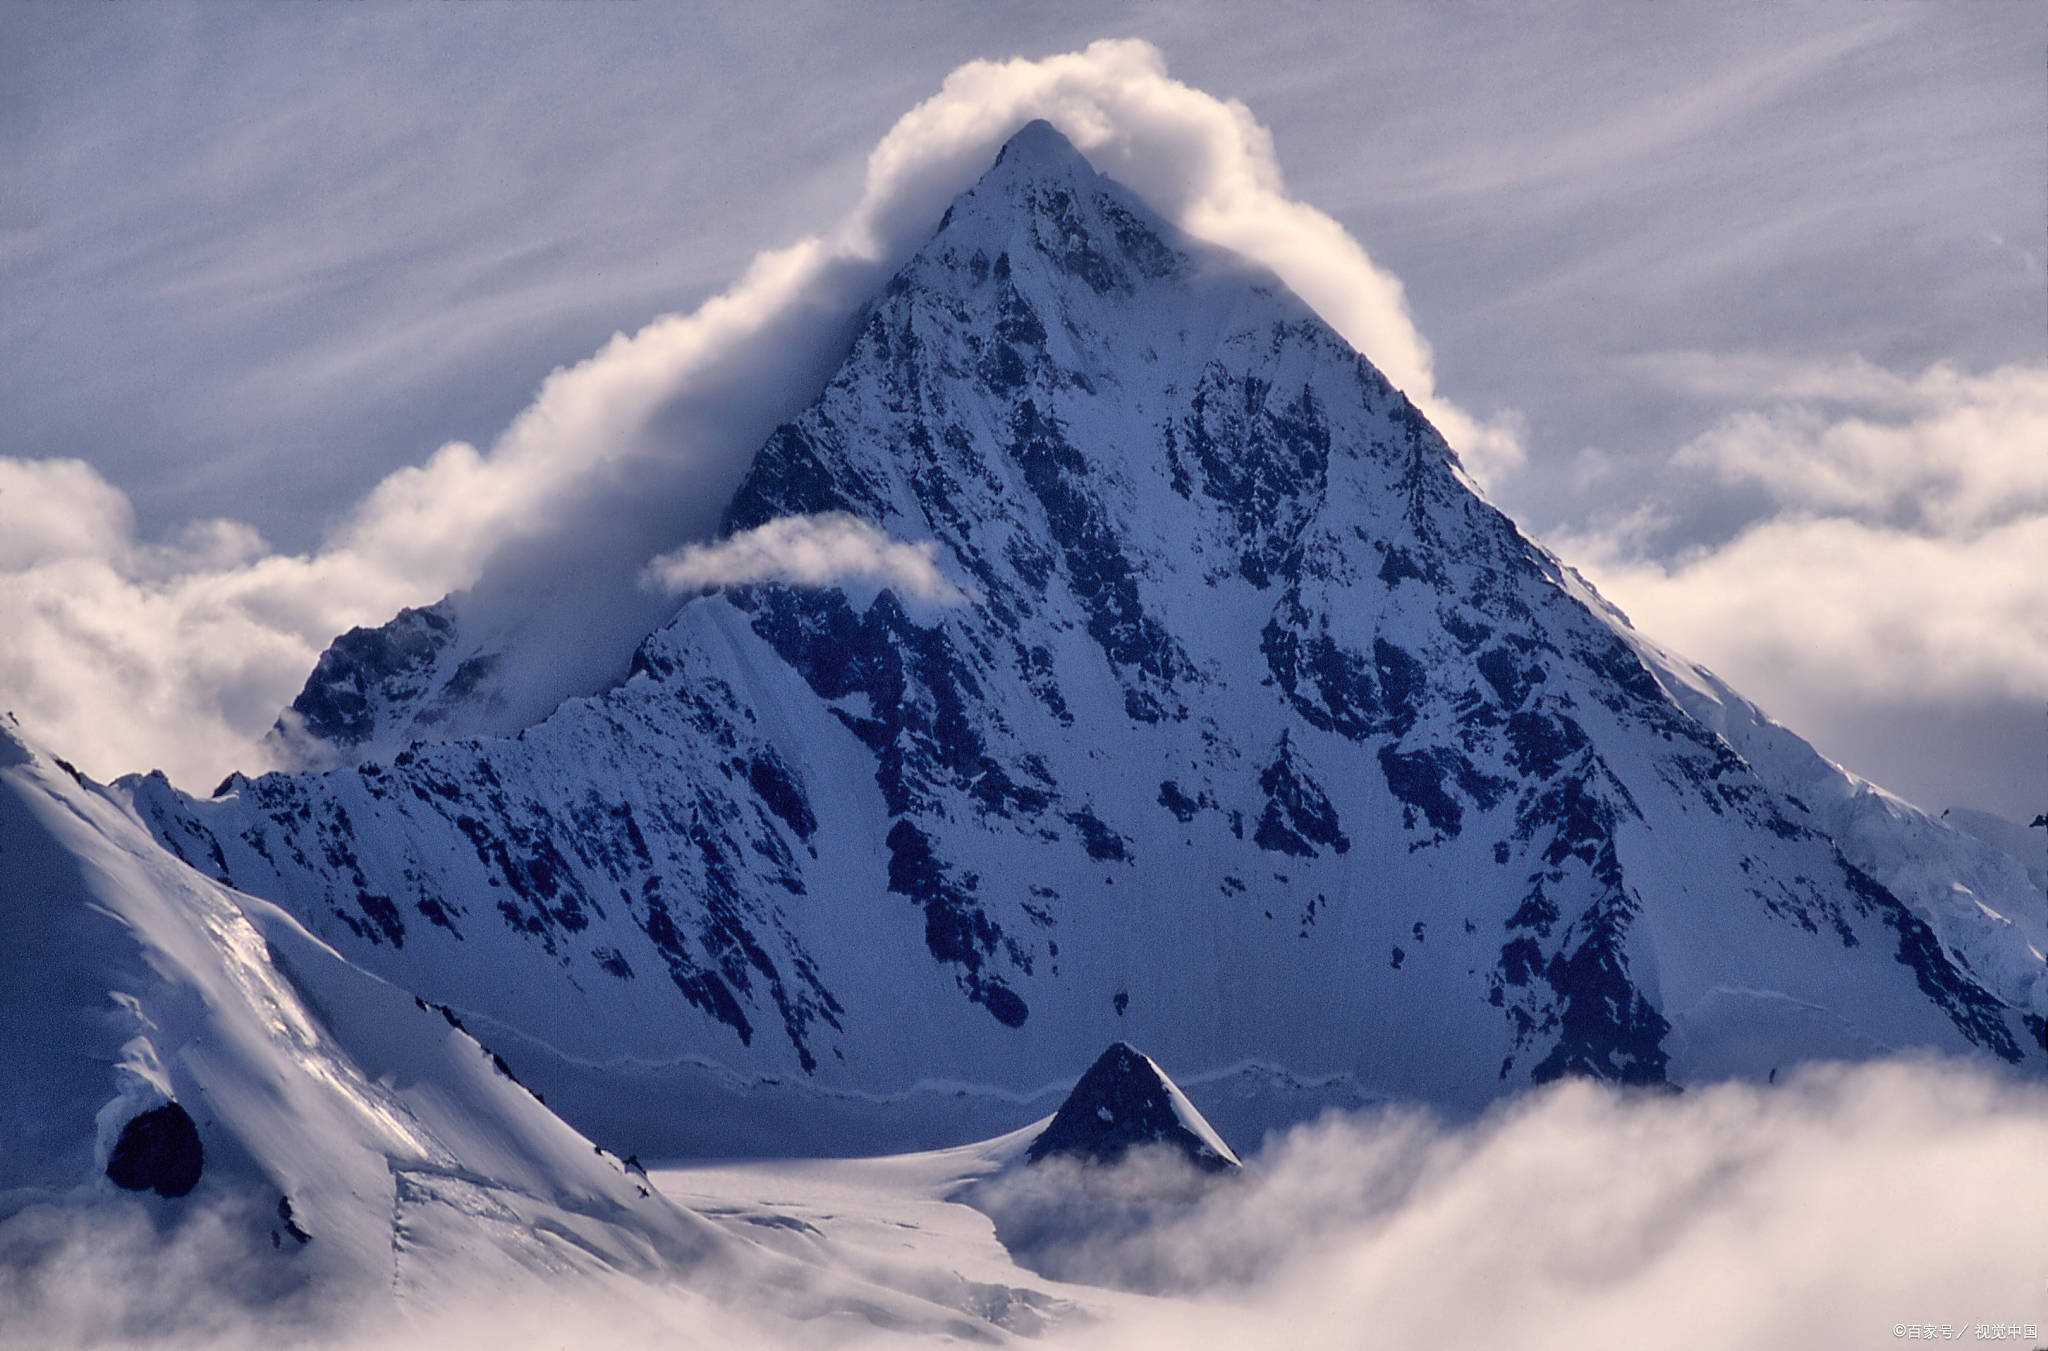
{"x": 1760, "y": 292}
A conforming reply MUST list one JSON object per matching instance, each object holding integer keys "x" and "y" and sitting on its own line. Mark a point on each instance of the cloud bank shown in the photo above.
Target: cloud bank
{"x": 1841, "y": 1207}
{"x": 1822, "y": 1213}
{"x": 1898, "y": 561}
{"x": 125, "y": 654}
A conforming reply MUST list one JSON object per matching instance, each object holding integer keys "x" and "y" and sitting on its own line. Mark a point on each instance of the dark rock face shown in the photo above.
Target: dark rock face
{"x": 290, "y": 1224}
{"x": 1124, "y": 1101}
{"x": 158, "y": 1150}
{"x": 365, "y": 667}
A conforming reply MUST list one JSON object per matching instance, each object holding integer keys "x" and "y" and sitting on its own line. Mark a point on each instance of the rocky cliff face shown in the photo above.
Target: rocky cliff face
{"x": 1261, "y": 739}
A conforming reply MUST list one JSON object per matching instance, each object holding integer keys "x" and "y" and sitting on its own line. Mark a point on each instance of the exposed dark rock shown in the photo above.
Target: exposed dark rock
{"x": 1298, "y": 814}
{"x": 158, "y": 1151}
{"x": 1406, "y": 636}
{"x": 289, "y": 1221}
{"x": 1123, "y": 1101}
{"x": 339, "y": 702}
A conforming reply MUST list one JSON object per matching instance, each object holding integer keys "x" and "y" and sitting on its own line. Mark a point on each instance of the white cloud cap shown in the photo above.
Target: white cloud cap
{"x": 1203, "y": 162}
{"x": 123, "y": 655}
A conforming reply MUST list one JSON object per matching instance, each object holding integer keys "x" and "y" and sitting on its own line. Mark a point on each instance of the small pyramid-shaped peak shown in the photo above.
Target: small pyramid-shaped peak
{"x": 1123, "y": 1101}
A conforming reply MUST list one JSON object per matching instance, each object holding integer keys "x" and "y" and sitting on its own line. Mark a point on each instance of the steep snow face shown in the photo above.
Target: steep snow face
{"x": 2026, "y": 846}
{"x": 1263, "y": 741}
{"x": 215, "y": 1131}
{"x": 199, "y": 1049}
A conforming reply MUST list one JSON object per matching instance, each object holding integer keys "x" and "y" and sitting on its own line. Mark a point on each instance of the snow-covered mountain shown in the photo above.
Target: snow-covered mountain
{"x": 216, "y": 1131}
{"x": 199, "y": 1049}
{"x": 1259, "y": 739}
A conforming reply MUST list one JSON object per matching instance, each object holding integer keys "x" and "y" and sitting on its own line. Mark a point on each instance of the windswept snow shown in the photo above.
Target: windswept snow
{"x": 365, "y": 1164}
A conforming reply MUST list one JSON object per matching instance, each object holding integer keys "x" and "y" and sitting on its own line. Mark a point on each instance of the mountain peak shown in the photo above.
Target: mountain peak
{"x": 1042, "y": 206}
{"x": 1039, "y": 147}
{"x": 1261, "y": 729}
{"x": 1037, "y": 169}
{"x": 1125, "y": 1100}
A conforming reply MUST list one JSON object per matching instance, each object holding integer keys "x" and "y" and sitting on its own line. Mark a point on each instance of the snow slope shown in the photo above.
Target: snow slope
{"x": 395, "y": 1143}
{"x": 2026, "y": 845}
{"x": 365, "y": 1166}
{"x": 444, "y": 1207}
{"x": 1262, "y": 741}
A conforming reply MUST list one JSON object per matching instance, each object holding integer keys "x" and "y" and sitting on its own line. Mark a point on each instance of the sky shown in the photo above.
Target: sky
{"x": 1742, "y": 311}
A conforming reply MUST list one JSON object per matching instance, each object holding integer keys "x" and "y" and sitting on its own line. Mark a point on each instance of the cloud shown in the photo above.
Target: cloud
{"x": 1205, "y": 163}
{"x": 1897, "y": 559}
{"x": 830, "y": 549}
{"x": 1845, "y": 609}
{"x": 124, "y": 655}
{"x": 106, "y": 1272}
{"x": 58, "y": 509}
{"x": 1837, "y": 1208}
{"x": 1943, "y": 454}
{"x": 1821, "y": 1212}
